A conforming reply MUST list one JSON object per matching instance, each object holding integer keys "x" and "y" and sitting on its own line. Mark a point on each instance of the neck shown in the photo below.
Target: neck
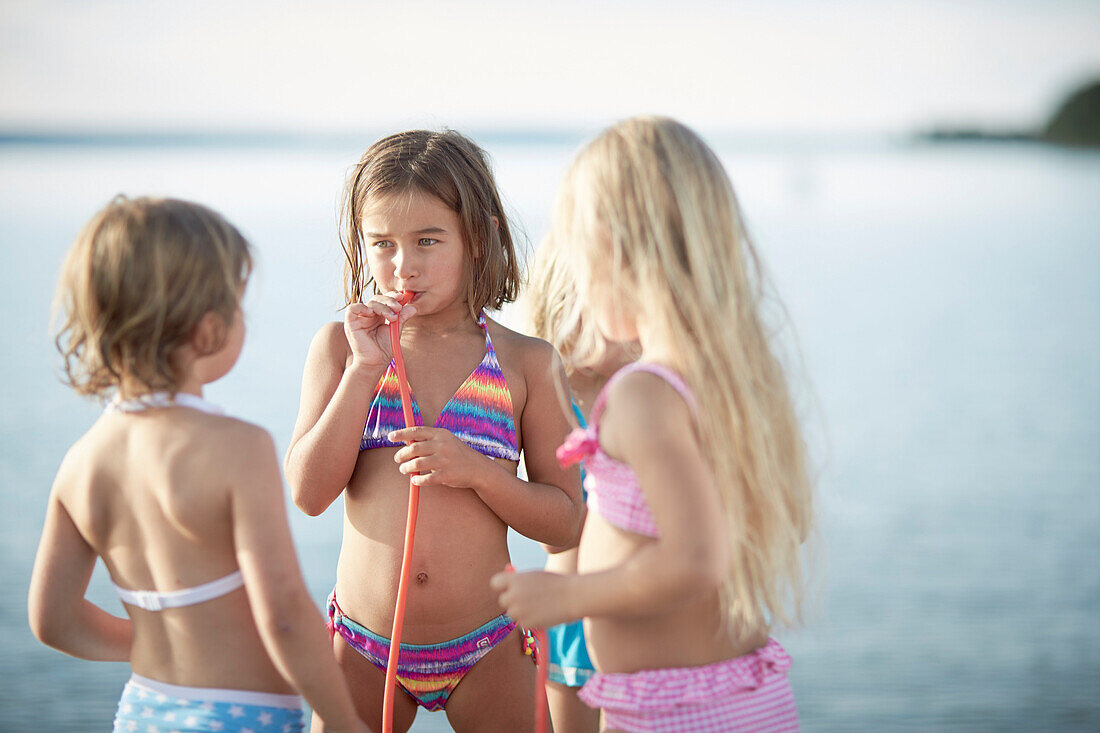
{"x": 191, "y": 386}
{"x": 585, "y": 384}
{"x": 453, "y": 318}
{"x": 130, "y": 389}
{"x": 653, "y": 349}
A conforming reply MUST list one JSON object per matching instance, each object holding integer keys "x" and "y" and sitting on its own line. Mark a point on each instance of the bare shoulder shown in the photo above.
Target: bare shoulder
{"x": 225, "y": 448}
{"x": 243, "y": 454}
{"x": 642, "y": 408}
{"x": 239, "y": 441}
{"x": 529, "y": 354}
{"x": 247, "y": 435}
{"x": 78, "y": 464}
{"x": 330, "y": 343}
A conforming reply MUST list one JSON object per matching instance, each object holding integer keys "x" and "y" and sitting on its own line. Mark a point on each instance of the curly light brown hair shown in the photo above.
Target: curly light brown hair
{"x": 135, "y": 284}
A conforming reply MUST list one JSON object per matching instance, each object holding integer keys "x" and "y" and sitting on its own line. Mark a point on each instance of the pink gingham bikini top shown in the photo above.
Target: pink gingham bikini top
{"x": 613, "y": 489}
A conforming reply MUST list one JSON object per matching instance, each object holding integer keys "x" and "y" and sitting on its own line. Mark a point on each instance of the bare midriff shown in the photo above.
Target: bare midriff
{"x": 689, "y": 635}
{"x": 460, "y": 544}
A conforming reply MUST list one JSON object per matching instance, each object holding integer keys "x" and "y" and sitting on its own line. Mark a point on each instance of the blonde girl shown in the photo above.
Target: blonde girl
{"x": 422, "y": 215}
{"x": 548, "y": 300}
{"x": 698, "y": 493}
{"x": 184, "y": 505}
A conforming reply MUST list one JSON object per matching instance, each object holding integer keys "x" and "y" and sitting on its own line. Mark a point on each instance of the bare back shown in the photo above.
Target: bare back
{"x": 152, "y": 493}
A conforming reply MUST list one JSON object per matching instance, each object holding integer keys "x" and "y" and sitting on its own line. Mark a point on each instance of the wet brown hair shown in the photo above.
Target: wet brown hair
{"x": 452, "y": 168}
{"x": 135, "y": 284}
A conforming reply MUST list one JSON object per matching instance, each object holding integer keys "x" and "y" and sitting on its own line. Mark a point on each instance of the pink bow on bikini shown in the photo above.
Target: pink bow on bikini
{"x": 578, "y": 445}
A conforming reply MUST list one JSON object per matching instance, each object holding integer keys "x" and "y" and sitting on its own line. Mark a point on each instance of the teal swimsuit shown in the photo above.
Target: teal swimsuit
{"x": 569, "y": 661}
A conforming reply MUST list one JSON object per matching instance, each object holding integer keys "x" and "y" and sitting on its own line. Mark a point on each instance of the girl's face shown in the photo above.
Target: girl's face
{"x": 414, "y": 242}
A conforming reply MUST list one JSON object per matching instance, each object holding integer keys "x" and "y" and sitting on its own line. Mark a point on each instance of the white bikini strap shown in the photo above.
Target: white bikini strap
{"x": 154, "y": 400}
{"x": 151, "y": 600}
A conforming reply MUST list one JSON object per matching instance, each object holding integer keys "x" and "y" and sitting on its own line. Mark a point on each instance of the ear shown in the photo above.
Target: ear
{"x": 208, "y": 334}
{"x": 495, "y": 232}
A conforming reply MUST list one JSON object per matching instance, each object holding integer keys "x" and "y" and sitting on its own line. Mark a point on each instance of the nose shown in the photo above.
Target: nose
{"x": 404, "y": 264}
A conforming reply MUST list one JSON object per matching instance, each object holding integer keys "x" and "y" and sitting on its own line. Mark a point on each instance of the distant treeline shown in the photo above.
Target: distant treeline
{"x": 1076, "y": 122}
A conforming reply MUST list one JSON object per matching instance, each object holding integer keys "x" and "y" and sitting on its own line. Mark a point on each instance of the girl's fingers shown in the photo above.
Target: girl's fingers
{"x": 407, "y": 312}
{"x": 411, "y": 451}
{"x": 388, "y": 300}
{"x": 356, "y": 312}
{"x": 410, "y": 435}
{"x": 417, "y": 465}
{"x": 385, "y": 310}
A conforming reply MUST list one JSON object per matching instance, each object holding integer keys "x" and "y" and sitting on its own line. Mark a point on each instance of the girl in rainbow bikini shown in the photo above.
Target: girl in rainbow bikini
{"x": 698, "y": 496}
{"x": 422, "y": 215}
{"x": 184, "y": 505}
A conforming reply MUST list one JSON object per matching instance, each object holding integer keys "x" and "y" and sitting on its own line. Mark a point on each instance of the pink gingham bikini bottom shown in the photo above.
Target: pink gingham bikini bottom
{"x": 747, "y": 693}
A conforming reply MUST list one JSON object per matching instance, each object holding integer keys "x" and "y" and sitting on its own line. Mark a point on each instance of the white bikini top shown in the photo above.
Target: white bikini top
{"x": 152, "y": 600}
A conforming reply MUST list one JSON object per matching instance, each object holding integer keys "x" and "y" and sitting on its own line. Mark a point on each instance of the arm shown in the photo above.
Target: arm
{"x": 341, "y": 371}
{"x": 59, "y": 614}
{"x": 334, "y": 403}
{"x": 547, "y": 507}
{"x": 648, "y": 426}
{"x": 571, "y": 546}
{"x": 287, "y": 620}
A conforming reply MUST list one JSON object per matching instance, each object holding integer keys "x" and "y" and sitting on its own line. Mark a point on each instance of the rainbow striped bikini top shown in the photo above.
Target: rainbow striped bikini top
{"x": 479, "y": 413}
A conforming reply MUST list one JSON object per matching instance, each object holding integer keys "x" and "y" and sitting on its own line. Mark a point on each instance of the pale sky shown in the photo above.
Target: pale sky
{"x": 779, "y": 65}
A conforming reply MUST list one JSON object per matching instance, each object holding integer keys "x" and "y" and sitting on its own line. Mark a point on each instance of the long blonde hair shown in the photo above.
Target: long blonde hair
{"x": 548, "y": 305}
{"x": 647, "y": 216}
{"x": 136, "y": 282}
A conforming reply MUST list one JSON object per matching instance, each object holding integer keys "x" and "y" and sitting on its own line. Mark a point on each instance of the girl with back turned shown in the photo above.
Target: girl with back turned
{"x": 422, "y": 215}
{"x": 697, "y": 487}
{"x": 184, "y": 505}
{"x": 549, "y": 298}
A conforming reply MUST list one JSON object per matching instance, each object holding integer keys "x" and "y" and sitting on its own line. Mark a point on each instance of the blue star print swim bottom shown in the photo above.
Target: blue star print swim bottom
{"x": 149, "y": 706}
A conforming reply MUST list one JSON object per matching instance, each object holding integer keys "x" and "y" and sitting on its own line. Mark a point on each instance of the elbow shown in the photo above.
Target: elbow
{"x": 280, "y": 616}
{"x": 564, "y": 540}
{"x": 311, "y": 490}
{"x": 568, "y": 534}
{"x": 304, "y": 497}
{"x": 46, "y": 628}
{"x": 307, "y": 502}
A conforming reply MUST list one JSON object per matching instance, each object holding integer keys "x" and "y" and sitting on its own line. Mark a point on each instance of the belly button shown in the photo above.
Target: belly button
{"x": 421, "y": 578}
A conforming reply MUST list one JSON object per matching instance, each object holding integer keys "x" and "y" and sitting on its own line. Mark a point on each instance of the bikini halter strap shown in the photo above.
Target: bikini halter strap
{"x": 674, "y": 380}
{"x": 155, "y": 400}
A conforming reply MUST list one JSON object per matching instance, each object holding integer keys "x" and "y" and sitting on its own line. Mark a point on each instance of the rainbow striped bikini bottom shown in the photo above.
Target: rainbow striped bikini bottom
{"x": 427, "y": 672}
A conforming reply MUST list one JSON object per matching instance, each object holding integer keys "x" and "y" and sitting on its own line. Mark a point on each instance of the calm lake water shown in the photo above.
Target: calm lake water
{"x": 947, "y": 305}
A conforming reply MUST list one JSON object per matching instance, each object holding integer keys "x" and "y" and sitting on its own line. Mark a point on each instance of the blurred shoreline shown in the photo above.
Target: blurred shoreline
{"x": 1075, "y": 123}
